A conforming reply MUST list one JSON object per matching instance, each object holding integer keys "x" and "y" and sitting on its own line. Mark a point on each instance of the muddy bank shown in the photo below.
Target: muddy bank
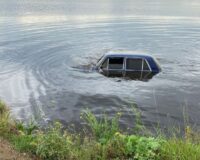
{"x": 8, "y": 153}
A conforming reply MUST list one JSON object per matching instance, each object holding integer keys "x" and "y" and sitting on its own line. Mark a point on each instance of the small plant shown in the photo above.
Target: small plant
{"x": 28, "y": 129}
{"x": 3, "y": 108}
{"x": 116, "y": 147}
{"x": 139, "y": 128}
{"x": 24, "y": 143}
{"x": 148, "y": 148}
{"x": 4, "y": 120}
{"x": 53, "y": 145}
{"x": 142, "y": 148}
{"x": 87, "y": 150}
{"x": 102, "y": 129}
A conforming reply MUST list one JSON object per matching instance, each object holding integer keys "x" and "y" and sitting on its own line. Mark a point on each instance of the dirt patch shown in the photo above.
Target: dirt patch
{"x": 8, "y": 153}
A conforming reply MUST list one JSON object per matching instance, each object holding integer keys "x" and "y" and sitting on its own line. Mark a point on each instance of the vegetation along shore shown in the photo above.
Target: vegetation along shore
{"x": 102, "y": 140}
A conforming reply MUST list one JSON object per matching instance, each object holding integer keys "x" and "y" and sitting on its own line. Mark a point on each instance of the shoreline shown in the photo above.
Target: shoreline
{"x": 102, "y": 139}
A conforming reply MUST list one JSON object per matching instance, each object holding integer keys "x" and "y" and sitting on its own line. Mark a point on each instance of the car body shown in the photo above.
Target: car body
{"x": 128, "y": 64}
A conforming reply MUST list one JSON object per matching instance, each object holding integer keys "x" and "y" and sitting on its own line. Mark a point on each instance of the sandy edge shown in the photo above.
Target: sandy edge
{"x": 8, "y": 153}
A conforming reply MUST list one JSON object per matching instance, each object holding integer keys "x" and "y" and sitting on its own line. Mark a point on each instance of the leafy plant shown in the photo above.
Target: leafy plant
{"x": 147, "y": 148}
{"x": 53, "y": 145}
{"x": 26, "y": 128}
{"x": 116, "y": 147}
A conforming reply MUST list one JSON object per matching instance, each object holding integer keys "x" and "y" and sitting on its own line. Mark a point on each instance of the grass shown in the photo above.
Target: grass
{"x": 5, "y": 124}
{"x": 101, "y": 140}
{"x": 102, "y": 129}
{"x": 178, "y": 149}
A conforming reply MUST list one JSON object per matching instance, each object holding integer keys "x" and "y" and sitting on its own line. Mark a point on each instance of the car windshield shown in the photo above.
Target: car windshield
{"x": 157, "y": 63}
{"x": 100, "y": 58}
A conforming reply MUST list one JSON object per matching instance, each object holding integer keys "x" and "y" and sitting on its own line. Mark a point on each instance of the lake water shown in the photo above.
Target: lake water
{"x": 44, "y": 46}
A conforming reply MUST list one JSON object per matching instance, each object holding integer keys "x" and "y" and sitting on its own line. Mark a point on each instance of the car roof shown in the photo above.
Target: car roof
{"x": 130, "y": 54}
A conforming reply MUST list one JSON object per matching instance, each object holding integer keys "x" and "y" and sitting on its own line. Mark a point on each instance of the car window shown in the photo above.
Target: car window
{"x": 134, "y": 64}
{"x": 116, "y": 63}
{"x": 104, "y": 64}
{"x": 145, "y": 66}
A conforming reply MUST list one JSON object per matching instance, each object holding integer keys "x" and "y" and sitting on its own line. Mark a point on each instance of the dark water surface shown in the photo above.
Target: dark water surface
{"x": 44, "y": 44}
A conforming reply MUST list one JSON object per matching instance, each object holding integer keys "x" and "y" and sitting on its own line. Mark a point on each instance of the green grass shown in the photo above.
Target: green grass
{"x": 5, "y": 122}
{"x": 178, "y": 149}
{"x": 102, "y": 139}
{"x": 23, "y": 143}
{"x": 102, "y": 129}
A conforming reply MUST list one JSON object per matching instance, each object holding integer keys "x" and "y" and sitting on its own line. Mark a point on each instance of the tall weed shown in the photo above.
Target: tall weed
{"x": 102, "y": 129}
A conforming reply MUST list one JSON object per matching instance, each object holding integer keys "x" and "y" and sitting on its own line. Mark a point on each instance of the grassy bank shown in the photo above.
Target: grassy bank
{"x": 102, "y": 140}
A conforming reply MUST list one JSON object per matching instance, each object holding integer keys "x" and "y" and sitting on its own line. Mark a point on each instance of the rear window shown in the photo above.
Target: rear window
{"x": 134, "y": 64}
{"x": 116, "y": 63}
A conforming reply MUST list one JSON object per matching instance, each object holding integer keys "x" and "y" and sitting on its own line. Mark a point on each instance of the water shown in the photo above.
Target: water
{"x": 45, "y": 44}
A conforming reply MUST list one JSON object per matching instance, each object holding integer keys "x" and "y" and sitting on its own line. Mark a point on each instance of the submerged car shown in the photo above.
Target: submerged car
{"x": 128, "y": 65}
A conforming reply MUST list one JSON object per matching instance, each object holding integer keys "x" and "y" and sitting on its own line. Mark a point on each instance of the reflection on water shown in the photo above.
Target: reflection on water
{"x": 130, "y": 75}
{"x": 98, "y": 18}
{"x": 45, "y": 46}
{"x": 61, "y": 18}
